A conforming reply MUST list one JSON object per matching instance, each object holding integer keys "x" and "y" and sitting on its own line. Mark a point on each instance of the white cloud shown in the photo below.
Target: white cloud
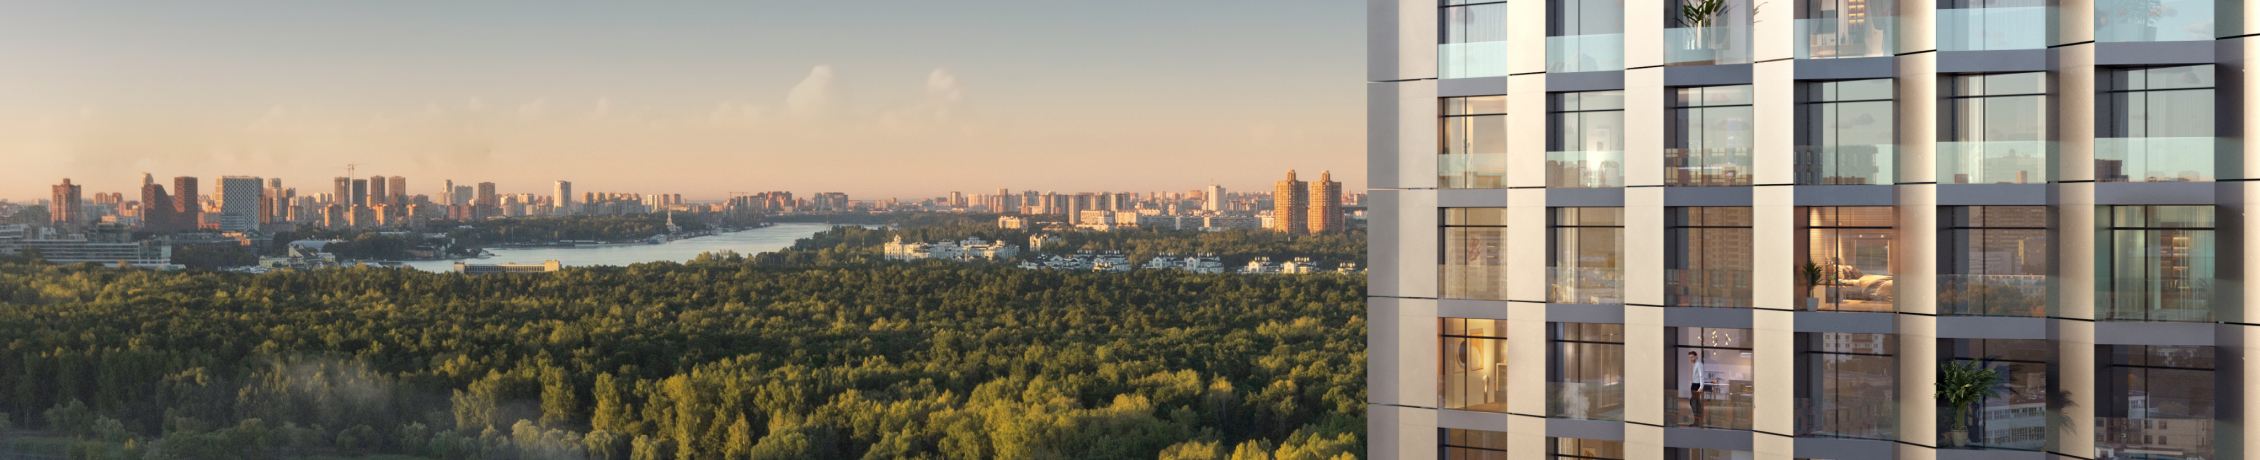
{"x": 813, "y": 94}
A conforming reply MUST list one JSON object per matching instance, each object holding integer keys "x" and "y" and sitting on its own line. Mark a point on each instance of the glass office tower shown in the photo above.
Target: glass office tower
{"x": 1666, "y": 229}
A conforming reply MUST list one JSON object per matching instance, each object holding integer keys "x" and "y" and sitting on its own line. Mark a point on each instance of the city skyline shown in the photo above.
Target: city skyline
{"x": 712, "y": 101}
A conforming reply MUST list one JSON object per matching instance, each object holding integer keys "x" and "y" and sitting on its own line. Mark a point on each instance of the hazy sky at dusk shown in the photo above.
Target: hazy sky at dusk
{"x": 871, "y": 97}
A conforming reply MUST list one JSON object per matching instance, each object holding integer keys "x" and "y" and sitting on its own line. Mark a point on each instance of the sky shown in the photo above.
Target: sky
{"x": 876, "y": 98}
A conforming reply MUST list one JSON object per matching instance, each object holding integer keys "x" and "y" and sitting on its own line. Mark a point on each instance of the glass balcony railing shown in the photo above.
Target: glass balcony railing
{"x": 1699, "y": 287}
{"x": 1994, "y": 162}
{"x": 1846, "y": 164}
{"x": 1585, "y": 400}
{"x": 2154, "y": 20}
{"x": 1706, "y": 167}
{"x": 2121, "y": 437}
{"x": 1706, "y": 45}
{"x": 1725, "y": 407}
{"x": 1585, "y": 285}
{"x": 1988, "y": 29}
{"x": 1480, "y": 282}
{"x": 1828, "y": 38}
{"x": 1870, "y": 293}
{"x": 2163, "y": 299}
{"x": 1585, "y": 53}
{"x": 2017, "y": 421}
{"x": 1477, "y": 170}
{"x": 2154, "y": 159}
{"x": 1860, "y": 416}
{"x": 1471, "y": 60}
{"x": 1585, "y": 169}
{"x": 1993, "y": 295}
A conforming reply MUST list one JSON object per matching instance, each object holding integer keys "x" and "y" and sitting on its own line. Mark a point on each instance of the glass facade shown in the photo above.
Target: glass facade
{"x": 2154, "y": 124}
{"x": 1584, "y": 35}
{"x": 1848, "y": 259}
{"x": 1699, "y": 35}
{"x": 1473, "y": 131}
{"x": 1472, "y": 39}
{"x": 1707, "y": 257}
{"x": 2157, "y": 263}
{"x": 1587, "y": 373}
{"x": 1993, "y": 25}
{"x": 1472, "y": 444}
{"x": 1845, "y": 133}
{"x": 1585, "y": 139}
{"x": 1993, "y": 129}
{"x": 1707, "y": 137}
{"x": 2154, "y": 20}
{"x": 1474, "y": 376}
{"x": 2156, "y": 402}
{"x": 1474, "y": 256}
{"x": 2013, "y": 416}
{"x": 1586, "y": 263}
{"x": 1845, "y": 28}
{"x": 1710, "y": 378}
{"x": 1995, "y": 260}
{"x": 1847, "y": 385}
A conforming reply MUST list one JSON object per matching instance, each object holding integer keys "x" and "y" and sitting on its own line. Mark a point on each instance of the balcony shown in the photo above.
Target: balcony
{"x": 1830, "y": 38}
{"x": 2164, "y": 299}
{"x": 1725, "y": 407}
{"x": 1993, "y": 295}
{"x": 1482, "y": 282}
{"x": 2121, "y": 437}
{"x": 2154, "y": 159}
{"x": 1715, "y": 45}
{"x": 1584, "y": 285}
{"x": 1585, "y": 53}
{"x": 1993, "y": 162}
{"x": 1585, "y": 400}
{"x": 1845, "y": 164}
{"x": 1471, "y": 60}
{"x": 1706, "y": 167}
{"x": 1861, "y": 417}
{"x": 1994, "y": 29}
{"x": 1472, "y": 170}
{"x": 1585, "y": 169}
{"x": 1699, "y": 287}
{"x": 2154, "y": 20}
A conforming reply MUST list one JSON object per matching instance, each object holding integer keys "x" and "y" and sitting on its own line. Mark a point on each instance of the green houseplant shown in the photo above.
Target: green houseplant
{"x": 1962, "y": 385}
{"x": 1810, "y": 274}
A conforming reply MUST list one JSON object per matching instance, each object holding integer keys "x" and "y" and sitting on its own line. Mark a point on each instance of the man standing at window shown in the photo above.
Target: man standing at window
{"x": 1695, "y": 386}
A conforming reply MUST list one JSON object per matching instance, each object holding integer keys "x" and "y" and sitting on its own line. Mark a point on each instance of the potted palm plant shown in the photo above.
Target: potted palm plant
{"x": 1699, "y": 15}
{"x": 1962, "y": 385}
{"x": 1810, "y": 274}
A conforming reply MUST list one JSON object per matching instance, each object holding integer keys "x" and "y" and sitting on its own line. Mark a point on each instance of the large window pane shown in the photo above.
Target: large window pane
{"x": 1474, "y": 258}
{"x": 2155, "y": 124}
{"x": 1474, "y": 376}
{"x": 2158, "y": 263}
{"x": 1707, "y": 136}
{"x": 1584, "y": 35}
{"x": 1587, "y": 449}
{"x": 1707, "y": 253}
{"x": 1845, "y": 28}
{"x": 1474, "y": 138}
{"x": 1845, "y": 133}
{"x": 1473, "y": 41}
{"x": 1587, "y": 376}
{"x": 1586, "y": 263}
{"x": 1473, "y": 444}
{"x": 1847, "y": 385}
{"x": 2016, "y": 415}
{"x": 1849, "y": 259}
{"x": 1710, "y": 378}
{"x": 1993, "y": 129}
{"x": 1585, "y": 140}
{"x": 1995, "y": 260}
{"x": 2154, "y": 402}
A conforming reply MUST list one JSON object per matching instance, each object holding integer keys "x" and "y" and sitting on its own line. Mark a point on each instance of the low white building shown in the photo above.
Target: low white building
{"x": 968, "y": 249}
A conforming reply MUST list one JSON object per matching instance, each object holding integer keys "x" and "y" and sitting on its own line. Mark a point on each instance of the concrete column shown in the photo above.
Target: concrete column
{"x": 2076, "y": 247}
{"x": 1644, "y": 246}
{"x": 1400, "y": 432}
{"x": 1644, "y": 23}
{"x": 1774, "y": 343}
{"x": 2075, "y": 21}
{"x": 1526, "y": 37}
{"x": 1774, "y": 35}
{"x": 1526, "y": 360}
{"x": 1400, "y": 39}
{"x": 2074, "y": 432}
{"x": 1526, "y": 129}
{"x": 1917, "y": 102}
{"x": 1644, "y": 363}
{"x": 1918, "y": 372}
{"x": 1918, "y": 32}
{"x": 2074, "y": 129}
{"x": 1643, "y": 442}
{"x": 1526, "y": 245}
{"x": 1644, "y": 99}
{"x": 1775, "y": 123}
{"x": 1401, "y": 359}
{"x": 1773, "y": 241}
{"x": 1917, "y": 254}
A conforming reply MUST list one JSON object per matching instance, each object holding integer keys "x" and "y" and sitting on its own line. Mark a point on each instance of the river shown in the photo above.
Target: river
{"x": 747, "y": 242}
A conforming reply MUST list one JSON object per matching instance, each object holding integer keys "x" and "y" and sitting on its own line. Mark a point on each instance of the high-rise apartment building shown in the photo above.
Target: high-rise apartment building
{"x": 188, "y": 204}
{"x": 380, "y": 191}
{"x": 156, "y": 206}
{"x": 240, "y": 199}
{"x": 66, "y": 208}
{"x": 1212, "y": 199}
{"x": 1290, "y": 205}
{"x": 1325, "y": 204}
{"x": 1628, "y": 229}
{"x": 342, "y": 192}
{"x": 397, "y": 186}
{"x": 563, "y": 197}
{"x": 486, "y": 196}
{"x": 359, "y": 195}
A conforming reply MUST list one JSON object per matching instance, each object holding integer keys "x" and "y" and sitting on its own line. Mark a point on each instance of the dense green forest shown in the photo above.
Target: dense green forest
{"x": 815, "y": 352}
{"x": 1234, "y": 246}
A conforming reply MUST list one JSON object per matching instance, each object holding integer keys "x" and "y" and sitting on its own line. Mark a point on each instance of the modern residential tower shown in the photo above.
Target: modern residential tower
{"x": 239, "y": 203}
{"x": 66, "y": 207}
{"x": 1658, "y": 229}
{"x": 1290, "y": 205}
